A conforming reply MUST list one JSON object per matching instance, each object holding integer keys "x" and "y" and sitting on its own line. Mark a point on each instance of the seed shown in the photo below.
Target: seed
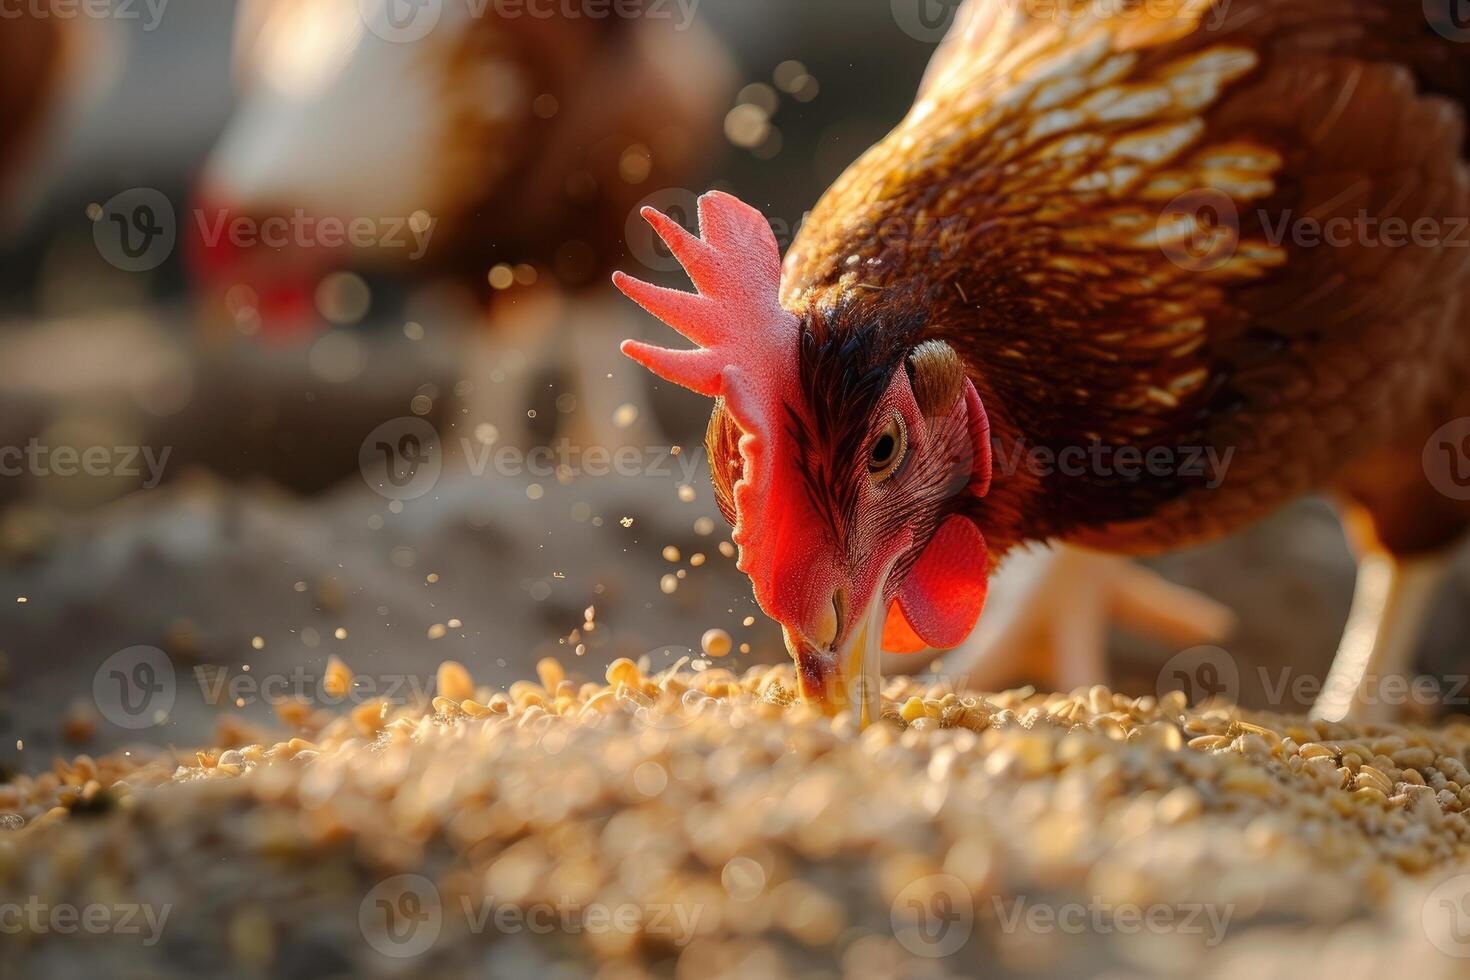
{"x": 716, "y": 643}
{"x": 550, "y": 670}
{"x": 453, "y": 681}
{"x": 337, "y": 681}
{"x": 1210, "y": 743}
{"x": 623, "y": 671}
{"x": 368, "y": 717}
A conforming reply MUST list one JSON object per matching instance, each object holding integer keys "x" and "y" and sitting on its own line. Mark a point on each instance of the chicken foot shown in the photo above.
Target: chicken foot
{"x": 1392, "y": 598}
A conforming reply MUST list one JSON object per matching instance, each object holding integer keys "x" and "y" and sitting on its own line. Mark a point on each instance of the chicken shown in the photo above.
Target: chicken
{"x": 524, "y": 139}
{"x": 48, "y": 71}
{"x": 1081, "y": 269}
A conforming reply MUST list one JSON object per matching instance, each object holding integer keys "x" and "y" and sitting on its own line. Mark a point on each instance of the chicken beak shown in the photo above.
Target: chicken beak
{"x": 862, "y": 664}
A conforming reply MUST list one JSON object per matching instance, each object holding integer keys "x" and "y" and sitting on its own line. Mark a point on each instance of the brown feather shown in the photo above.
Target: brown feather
{"x": 1037, "y": 184}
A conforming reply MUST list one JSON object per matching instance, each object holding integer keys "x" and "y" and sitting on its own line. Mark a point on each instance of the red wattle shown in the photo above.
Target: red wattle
{"x": 942, "y": 597}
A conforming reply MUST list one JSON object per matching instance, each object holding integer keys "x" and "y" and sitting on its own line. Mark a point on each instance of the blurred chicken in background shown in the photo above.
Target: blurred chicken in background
{"x": 500, "y": 153}
{"x": 50, "y": 66}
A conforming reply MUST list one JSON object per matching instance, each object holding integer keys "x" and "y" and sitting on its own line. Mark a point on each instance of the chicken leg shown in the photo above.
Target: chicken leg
{"x": 1048, "y": 616}
{"x": 1390, "y": 603}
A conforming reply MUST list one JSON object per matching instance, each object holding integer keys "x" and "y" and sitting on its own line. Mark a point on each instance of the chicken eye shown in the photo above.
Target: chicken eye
{"x": 887, "y": 450}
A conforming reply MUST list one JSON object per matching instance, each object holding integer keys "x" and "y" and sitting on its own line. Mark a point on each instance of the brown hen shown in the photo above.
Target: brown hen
{"x": 1239, "y": 228}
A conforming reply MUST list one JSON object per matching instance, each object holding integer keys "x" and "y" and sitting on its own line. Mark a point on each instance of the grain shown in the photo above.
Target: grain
{"x": 453, "y": 681}
{"x": 337, "y": 679}
{"x": 716, "y": 643}
{"x": 798, "y": 837}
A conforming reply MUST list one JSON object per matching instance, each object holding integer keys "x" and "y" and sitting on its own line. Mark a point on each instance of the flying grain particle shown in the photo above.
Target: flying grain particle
{"x": 748, "y": 621}
{"x": 535, "y": 491}
{"x": 704, "y": 526}
{"x": 727, "y": 549}
{"x": 299, "y": 586}
{"x": 625, "y": 415}
{"x": 257, "y": 643}
{"x": 745, "y": 648}
{"x": 341, "y": 633}
{"x": 486, "y": 434}
{"x": 454, "y": 624}
{"x": 671, "y": 553}
{"x": 590, "y": 613}
{"x": 625, "y": 521}
{"x": 337, "y": 680}
{"x": 696, "y": 559}
{"x": 686, "y": 493}
{"x": 21, "y": 598}
{"x": 716, "y": 643}
{"x": 437, "y": 631}
{"x": 669, "y": 584}
{"x": 431, "y": 578}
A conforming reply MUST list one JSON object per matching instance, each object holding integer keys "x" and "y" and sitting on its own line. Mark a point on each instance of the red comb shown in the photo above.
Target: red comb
{"x": 747, "y": 342}
{"x": 747, "y": 351}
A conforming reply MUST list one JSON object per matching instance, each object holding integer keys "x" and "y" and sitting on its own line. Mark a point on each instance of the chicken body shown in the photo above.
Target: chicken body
{"x": 500, "y": 134}
{"x": 1235, "y": 233}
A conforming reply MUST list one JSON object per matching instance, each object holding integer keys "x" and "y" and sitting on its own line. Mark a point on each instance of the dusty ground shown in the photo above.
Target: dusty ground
{"x": 697, "y": 824}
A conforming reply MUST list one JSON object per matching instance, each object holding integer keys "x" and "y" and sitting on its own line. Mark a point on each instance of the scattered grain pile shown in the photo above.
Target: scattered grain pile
{"x": 703, "y": 823}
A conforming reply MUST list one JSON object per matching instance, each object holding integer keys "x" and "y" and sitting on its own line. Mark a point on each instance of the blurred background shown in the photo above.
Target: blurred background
{"x": 307, "y": 348}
